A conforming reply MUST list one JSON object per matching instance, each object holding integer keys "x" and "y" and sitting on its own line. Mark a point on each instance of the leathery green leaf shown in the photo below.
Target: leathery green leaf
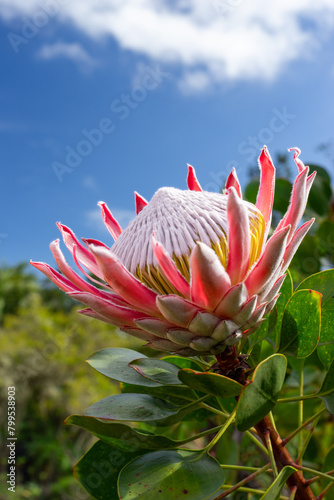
{"x": 131, "y": 407}
{"x": 301, "y": 324}
{"x": 99, "y": 468}
{"x": 323, "y": 283}
{"x": 259, "y": 397}
{"x": 122, "y": 436}
{"x": 166, "y": 475}
{"x": 210, "y": 383}
{"x": 326, "y": 392}
{"x": 273, "y": 493}
{"x": 157, "y": 370}
{"x": 114, "y": 362}
{"x": 286, "y": 292}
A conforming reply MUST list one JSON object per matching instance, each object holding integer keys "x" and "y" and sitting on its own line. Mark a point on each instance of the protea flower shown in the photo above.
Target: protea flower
{"x": 194, "y": 271}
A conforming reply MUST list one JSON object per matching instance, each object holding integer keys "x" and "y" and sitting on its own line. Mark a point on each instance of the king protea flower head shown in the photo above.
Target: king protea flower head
{"x": 194, "y": 271}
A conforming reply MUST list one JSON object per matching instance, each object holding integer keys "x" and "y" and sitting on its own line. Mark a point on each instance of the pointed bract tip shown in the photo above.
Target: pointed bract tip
{"x": 192, "y": 181}
{"x": 140, "y": 202}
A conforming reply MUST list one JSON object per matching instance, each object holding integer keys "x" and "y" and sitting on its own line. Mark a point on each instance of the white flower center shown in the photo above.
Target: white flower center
{"x": 179, "y": 219}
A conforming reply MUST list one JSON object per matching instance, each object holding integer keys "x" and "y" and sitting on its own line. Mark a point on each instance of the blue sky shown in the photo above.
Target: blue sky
{"x": 98, "y": 99}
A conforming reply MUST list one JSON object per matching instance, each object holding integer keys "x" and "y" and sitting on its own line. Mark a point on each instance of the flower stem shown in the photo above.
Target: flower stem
{"x": 250, "y": 490}
{"x": 221, "y": 432}
{"x": 315, "y": 472}
{"x": 306, "y": 442}
{"x": 293, "y": 493}
{"x": 271, "y": 453}
{"x": 325, "y": 491}
{"x": 214, "y": 410}
{"x": 239, "y": 467}
{"x": 201, "y": 434}
{"x": 305, "y": 424}
{"x": 300, "y": 417}
{"x": 283, "y": 458}
{"x": 244, "y": 481}
{"x": 297, "y": 398}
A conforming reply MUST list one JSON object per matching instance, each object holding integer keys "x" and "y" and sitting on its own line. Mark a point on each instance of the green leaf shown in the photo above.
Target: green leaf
{"x": 286, "y": 292}
{"x": 325, "y": 237}
{"x": 122, "y": 436}
{"x": 178, "y": 395}
{"x": 265, "y": 329}
{"x": 181, "y": 362}
{"x": 301, "y": 324}
{"x": 329, "y": 461}
{"x": 259, "y": 397}
{"x": 99, "y": 468}
{"x": 321, "y": 192}
{"x": 324, "y": 283}
{"x": 326, "y": 392}
{"x": 274, "y": 492}
{"x": 113, "y": 363}
{"x": 167, "y": 475}
{"x": 131, "y": 407}
{"x": 251, "y": 191}
{"x": 157, "y": 370}
{"x": 282, "y": 196}
{"x": 210, "y": 383}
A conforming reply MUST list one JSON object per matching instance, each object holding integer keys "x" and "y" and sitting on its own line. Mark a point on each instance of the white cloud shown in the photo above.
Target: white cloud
{"x": 73, "y": 51}
{"x": 90, "y": 183}
{"x": 209, "y": 42}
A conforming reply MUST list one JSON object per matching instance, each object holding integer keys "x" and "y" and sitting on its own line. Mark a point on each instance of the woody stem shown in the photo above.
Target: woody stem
{"x": 283, "y": 458}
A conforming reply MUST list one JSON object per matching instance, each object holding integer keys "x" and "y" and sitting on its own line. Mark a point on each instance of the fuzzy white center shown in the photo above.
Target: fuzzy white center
{"x": 178, "y": 219}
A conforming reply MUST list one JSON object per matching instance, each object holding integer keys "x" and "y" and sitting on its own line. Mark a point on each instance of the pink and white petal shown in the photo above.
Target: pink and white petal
{"x": 122, "y": 315}
{"x": 233, "y": 301}
{"x": 224, "y": 329}
{"x": 169, "y": 268}
{"x": 233, "y": 181}
{"x": 180, "y": 337}
{"x": 176, "y": 310}
{"x": 162, "y": 345}
{"x": 298, "y": 162}
{"x": 268, "y": 263}
{"x": 203, "y": 344}
{"x": 67, "y": 271}
{"x": 203, "y": 324}
{"x": 123, "y": 282}
{"x": 58, "y": 279}
{"x": 256, "y": 316}
{"x": 238, "y": 237}
{"x": 234, "y": 338}
{"x": 253, "y": 329}
{"x": 246, "y": 311}
{"x": 156, "y": 326}
{"x": 268, "y": 296}
{"x": 140, "y": 202}
{"x": 93, "y": 314}
{"x": 109, "y": 220}
{"x": 139, "y": 334}
{"x": 271, "y": 304}
{"x": 209, "y": 281}
{"x": 297, "y": 204}
{"x": 265, "y": 197}
{"x": 91, "y": 241}
{"x": 295, "y": 242}
{"x": 309, "y": 182}
{"x": 84, "y": 255}
{"x": 185, "y": 351}
{"x": 192, "y": 181}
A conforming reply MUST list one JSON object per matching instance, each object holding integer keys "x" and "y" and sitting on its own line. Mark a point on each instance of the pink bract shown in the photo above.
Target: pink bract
{"x": 194, "y": 271}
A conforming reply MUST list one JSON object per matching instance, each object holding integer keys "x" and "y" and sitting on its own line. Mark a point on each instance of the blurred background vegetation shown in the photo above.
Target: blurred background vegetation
{"x": 44, "y": 343}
